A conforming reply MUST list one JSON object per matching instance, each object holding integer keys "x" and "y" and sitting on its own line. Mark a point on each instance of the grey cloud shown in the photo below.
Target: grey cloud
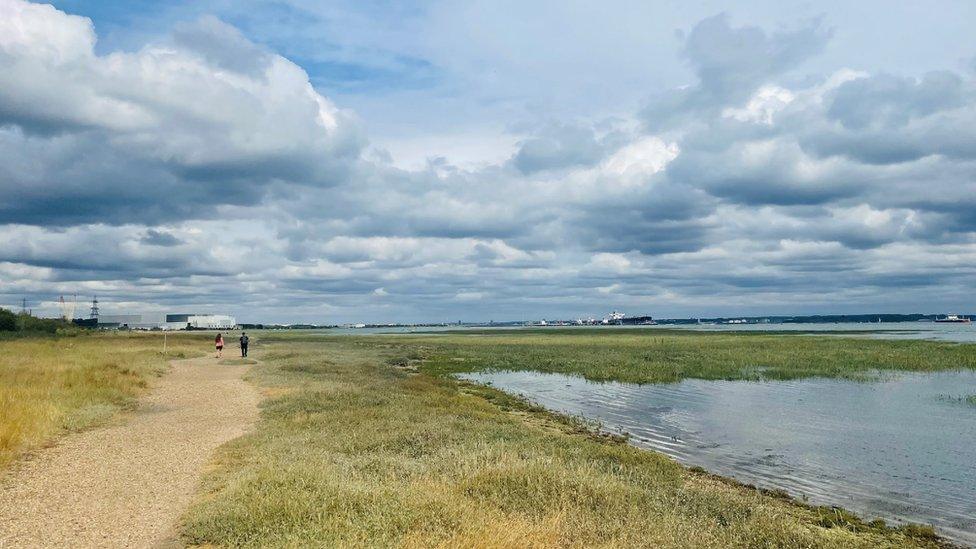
{"x": 222, "y": 45}
{"x": 667, "y": 218}
{"x": 948, "y": 134}
{"x": 866, "y": 147}
{"x": 632, "y": 231}
{"x": 731, "y": 63}
{"x": 886, "y": 119}
{"x": 773, "y": 181}
{"x": 889, "y": 101}
{"x": 99, "y": 252}
{"x": 159, "y": 238}
{"x": 558, "y": 147}
{"x": 79, "y": 179}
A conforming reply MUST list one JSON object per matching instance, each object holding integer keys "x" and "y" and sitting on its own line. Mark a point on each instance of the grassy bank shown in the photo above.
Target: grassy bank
{"x": 50, "y": 385}
{"x": 357, "y": 447}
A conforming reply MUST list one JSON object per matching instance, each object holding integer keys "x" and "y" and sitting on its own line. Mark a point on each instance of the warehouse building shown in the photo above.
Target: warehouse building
{"x": 159, "y": 321}
{"x": 131, "y": 321}
{"x": 201, "y": 322}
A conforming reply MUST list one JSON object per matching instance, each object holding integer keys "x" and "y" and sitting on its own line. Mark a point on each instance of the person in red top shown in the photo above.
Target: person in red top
{"x": 219, "y": 344}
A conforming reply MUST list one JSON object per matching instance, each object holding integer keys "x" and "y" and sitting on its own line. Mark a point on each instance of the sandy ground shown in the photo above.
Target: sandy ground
{"x": 125, "y": 485}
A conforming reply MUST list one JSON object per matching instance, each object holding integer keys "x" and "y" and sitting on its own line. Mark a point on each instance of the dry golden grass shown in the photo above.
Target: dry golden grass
{"x": 52, "y": 385}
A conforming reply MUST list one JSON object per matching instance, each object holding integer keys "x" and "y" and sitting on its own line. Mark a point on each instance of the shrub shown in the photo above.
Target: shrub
{"x": 8, "y": 321}
{"x": 28, "y": 323}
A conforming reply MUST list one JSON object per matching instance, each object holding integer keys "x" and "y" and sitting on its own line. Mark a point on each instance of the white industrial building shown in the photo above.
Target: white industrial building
{"x": 132, "y": 321}
{"x": 201, "y": 322}
{"x": 160, "y": 321}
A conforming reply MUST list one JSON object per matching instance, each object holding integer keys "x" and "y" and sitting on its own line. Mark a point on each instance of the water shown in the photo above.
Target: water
{"x": 961, "y": 332}
{"x": 886, "y": 330}
{"x": 378, "y": 330}
{"x": 895, "y": 449}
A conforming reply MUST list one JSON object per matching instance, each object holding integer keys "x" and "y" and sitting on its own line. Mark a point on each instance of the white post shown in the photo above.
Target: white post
{"x": 164, "y": 342}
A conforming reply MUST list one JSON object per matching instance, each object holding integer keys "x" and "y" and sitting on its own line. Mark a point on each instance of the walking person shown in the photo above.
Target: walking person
{"x": 244, "y": 341}
{"x": 219, "y": 344}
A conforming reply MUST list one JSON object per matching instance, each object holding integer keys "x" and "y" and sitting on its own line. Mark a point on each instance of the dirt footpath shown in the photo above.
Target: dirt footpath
{"x": 126, "y": 485}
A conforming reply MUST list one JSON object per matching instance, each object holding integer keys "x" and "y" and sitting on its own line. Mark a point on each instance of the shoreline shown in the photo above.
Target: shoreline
{"x": 832, "y": 516}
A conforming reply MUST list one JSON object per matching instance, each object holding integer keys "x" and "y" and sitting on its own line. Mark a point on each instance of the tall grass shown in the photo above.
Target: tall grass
{"x": 357, "y": 448}
{"x": 50, "y": 385}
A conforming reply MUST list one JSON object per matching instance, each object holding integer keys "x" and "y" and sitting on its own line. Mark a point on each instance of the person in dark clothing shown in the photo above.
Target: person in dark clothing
{"x": 244, "y": 341}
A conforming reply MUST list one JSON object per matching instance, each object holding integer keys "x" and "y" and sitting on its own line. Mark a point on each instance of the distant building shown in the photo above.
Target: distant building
{"x": 158, "y": 321}
{"x": 131, "y": 321}
{"x": 120, "y": 320}
{"x": 202, "y": 321}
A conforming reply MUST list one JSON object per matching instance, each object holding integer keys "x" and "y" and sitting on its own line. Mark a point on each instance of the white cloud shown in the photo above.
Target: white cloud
{"x": 762, "y": 106}
{"x": 611, "y": 262}
{"x": 633, "y": 163}
{"x": 194, "y": 130}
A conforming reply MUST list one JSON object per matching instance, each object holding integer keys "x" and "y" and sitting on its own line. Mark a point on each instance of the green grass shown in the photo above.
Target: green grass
{"x": 360, "y": 445}
{"x": 52, "y": 385}
{"x": 656, "y": 356}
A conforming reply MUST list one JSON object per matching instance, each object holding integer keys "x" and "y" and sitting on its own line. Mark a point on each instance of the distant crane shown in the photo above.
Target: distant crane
{"x": 67, "y": 308}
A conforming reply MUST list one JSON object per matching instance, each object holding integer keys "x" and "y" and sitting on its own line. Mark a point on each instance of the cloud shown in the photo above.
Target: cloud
{"x": 159, "y": 238}
{"x": 222, "y": 46}
{"x": 731, "y": 63}
{"x": 558, "y": 147}
{"x": 205, "y": 170}
{"x": 164, "y": 133}
{"x": 884, "y": 119}
{"x": 888, "y": 101}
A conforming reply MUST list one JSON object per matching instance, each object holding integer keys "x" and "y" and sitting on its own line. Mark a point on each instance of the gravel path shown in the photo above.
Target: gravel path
{"x": 126, "y": 485}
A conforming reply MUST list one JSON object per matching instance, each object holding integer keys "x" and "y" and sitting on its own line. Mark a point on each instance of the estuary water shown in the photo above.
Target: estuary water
{"x": 886, "y": 330}
{"x": 902, "y": 448}
{"x": 936, "y": 331}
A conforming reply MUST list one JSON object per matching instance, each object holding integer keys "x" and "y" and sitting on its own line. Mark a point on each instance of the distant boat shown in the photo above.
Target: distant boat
{"x": 953, "y": 318}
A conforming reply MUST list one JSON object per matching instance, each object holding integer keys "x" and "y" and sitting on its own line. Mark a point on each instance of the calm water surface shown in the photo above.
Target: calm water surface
{"x": 896, "y": 449}
{"x": 886, "y": 330}
{"x": 962, "y": 332}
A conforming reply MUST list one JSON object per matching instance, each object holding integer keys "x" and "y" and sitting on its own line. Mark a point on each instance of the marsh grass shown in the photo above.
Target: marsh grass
{"x": 51, "y": 385}
{"x": 653, "y": 356}
{"x": 356, "y": 449}
{"x": 969, "y": 400}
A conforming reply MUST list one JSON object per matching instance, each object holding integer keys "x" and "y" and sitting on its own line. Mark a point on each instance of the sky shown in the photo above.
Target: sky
{"x": 373, "y": 161}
